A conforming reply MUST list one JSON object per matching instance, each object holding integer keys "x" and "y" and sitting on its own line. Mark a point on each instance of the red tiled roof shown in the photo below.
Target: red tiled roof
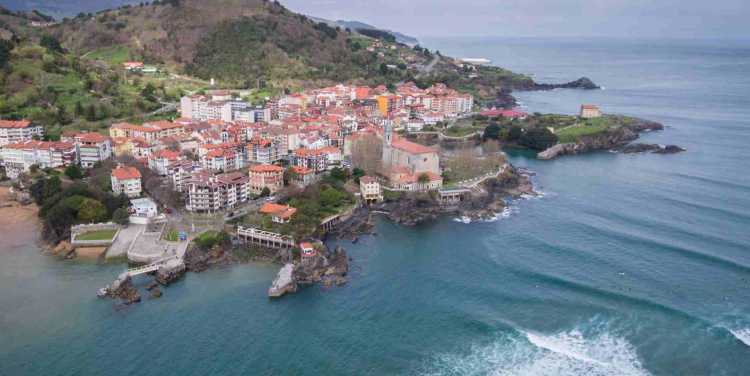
{"x": 15, "y": 123}
{"x": 410, "y": 147}
{"x": 126, "y": 173}
{"x": 276, "y": 210}
{"x": 300, "y": 170}
{"x": 166, "y": 154}
{"x": 91, "y": 137}
{"x": 266, "y": 168}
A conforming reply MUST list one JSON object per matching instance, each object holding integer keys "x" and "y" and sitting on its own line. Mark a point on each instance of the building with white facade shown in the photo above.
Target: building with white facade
{"x": 126, "y": 180}
{"x": 15, "y": 131}
{"x": 19, "y": 157}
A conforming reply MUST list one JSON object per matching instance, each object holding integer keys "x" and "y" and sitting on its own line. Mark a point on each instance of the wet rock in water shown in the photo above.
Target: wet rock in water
{"x": 171, "y": 271}
{"x": 156, "y": 293}
{"x": 653, "y": 148}
{"x": 669, "y": 149}
{"x": 122, "y": 288}
{"x": 152, "y": 285}
{"x": 284, "y": 282}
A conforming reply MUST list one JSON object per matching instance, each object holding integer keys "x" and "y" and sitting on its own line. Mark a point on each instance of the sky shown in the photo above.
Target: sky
{"x": 542, "y": 18}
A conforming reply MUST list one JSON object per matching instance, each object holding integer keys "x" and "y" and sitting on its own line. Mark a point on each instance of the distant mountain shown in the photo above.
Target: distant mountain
{"x": 65, "y": 8}
{"x": 401, "y": 38}
{"x": 357, "y": 25}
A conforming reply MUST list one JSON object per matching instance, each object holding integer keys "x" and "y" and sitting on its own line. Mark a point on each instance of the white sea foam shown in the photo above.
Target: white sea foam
{"x": 742, "y": 335}
{"x": 507, "y": 212}
{"x": 568, "y": 353}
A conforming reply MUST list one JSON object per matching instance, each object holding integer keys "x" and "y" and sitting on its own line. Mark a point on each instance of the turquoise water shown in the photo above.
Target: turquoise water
{"x": 629, "y": 264}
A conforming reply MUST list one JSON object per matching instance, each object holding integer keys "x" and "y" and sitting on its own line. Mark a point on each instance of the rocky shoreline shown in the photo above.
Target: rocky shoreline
{"x": 615, "y": 139}
{"x": 482, "y": 203}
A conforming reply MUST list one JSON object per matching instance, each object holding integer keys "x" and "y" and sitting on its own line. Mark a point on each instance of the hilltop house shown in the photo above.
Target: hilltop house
{"x": 590, "y": 111}
{"x": 126, "y": 180}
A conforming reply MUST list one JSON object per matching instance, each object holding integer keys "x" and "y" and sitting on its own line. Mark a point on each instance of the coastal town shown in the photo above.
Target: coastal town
{"x": 182, "y": 172}
{"x": 279, "y": 178}
{"x": 227, "y": 166}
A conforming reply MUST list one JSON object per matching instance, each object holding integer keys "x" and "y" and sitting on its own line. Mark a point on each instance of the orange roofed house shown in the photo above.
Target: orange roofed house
{"x": 278, "y": 213}
{"x": 126, "y": 180}
{"x": 590, "y": 111}
{"x": 266, "y": 176}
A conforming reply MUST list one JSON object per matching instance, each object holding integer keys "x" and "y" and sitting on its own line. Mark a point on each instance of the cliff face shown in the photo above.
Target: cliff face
{"x": 608, "y": 140}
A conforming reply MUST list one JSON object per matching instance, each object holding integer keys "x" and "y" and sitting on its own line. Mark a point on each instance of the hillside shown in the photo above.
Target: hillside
{"x": 42, "y": 81}
{"x": 253, "y": 43}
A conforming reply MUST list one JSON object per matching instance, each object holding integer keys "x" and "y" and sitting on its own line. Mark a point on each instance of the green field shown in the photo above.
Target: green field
{"x": 97, "y": 235}
{"x": 114, "y": 55}
{"x": 590, "y": 127}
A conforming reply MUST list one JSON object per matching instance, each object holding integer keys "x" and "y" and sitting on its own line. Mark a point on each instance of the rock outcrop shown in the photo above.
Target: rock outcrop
{"x": 284, "y": 282}
{"x": 122, "y": 288}
{"x": 608, "y": 140}
{"x": 171, "y": 271}
{"x": 652, "y": 148}
{"x": 583, "y": 83}
{"x": 329, "y": 268}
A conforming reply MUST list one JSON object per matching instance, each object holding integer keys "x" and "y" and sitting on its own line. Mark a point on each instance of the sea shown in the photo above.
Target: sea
{"x": 625, "y": 265}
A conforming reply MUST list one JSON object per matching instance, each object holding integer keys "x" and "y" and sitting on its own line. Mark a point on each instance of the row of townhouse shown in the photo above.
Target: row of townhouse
{"x": 148, "y": 132}
{"x": 15, "y": 131}
{"x": 221, "y": 106}
{"x": 19, "y": 157}
{"x": 85, "y": 149}
{"x": 318, "y": 160}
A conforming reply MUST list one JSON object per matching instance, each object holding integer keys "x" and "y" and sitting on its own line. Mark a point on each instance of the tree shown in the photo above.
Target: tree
{"x": 515, "y": 133}
{"x": 51, "y": 43}
{"x": 492, "y": 132}
{"x": 423, "y": 178}
{"x": 5, "y": 48}
{"x": 74, "y": 172}
{"x": 91, "y": 211}
{"x": 91, "y": 113}
{"x": 358, "y": 173}
{"x": 340, "y": 174}
{"x": 538, "y": 139}
{"x": 265, "y": 192}
{"x": 78, "y": 109}
{"x": 121, "y": 216}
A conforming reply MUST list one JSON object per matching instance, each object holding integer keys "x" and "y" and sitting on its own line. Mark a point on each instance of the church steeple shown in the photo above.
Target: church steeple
{"x": 388, "y": 133}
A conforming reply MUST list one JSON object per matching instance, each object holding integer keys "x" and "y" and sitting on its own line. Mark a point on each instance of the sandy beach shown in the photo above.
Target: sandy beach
{"x": 19, "y": 224}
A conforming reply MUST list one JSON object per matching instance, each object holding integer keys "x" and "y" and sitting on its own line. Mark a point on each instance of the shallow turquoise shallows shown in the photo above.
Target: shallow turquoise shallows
{"x": 628, "y": 265}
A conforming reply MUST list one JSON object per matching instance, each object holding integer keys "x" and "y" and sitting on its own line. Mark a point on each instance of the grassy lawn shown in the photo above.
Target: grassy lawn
{"x": 97, "y": 235}
{"x": 457, "y": 131}
{"x": 112, "y": 55}
{"x": 587, "y": 128}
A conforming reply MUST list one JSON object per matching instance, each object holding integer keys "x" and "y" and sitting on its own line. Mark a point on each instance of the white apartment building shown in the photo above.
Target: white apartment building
{"x": 15, "y": 131}
{"x": 92, "y": 148}
{"x": 19, "y": 157}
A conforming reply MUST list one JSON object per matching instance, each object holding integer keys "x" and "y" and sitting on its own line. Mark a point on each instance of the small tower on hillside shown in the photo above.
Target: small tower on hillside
{"x": 388, "y": 133}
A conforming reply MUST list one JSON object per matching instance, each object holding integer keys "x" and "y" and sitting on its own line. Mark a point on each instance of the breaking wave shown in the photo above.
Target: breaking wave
{"x": 567, "y": 353}
{"x": 507, "y": 212}
{"x": 742, "y": 334}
